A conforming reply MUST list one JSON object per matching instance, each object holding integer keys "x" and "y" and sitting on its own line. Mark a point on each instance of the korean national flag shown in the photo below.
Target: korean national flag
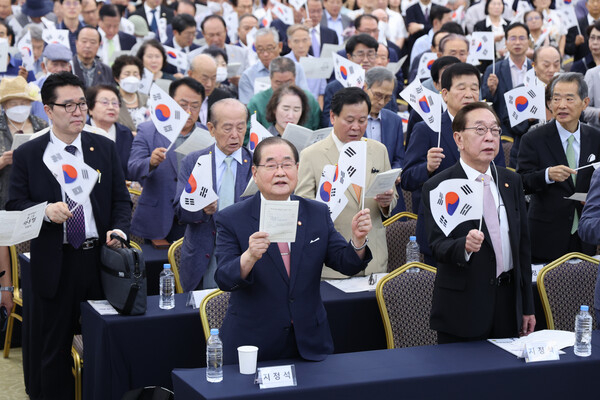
{"x": 424, "y": 69}
{"x": 482, "y": 45}
{"x": 455, "y": 201}
{"x": 284, "y": 13}
{"x": 531, "y": 79}
{"x": 56, "y": 36}
{"x": 331, "y": 191}
{"x": 26, "y": 50}
{"x": 352, "y": 163}
{"x": 525, "y": 102}
{"x": 75, "y": 177}
{"x": 168, "y": 116}
{"x": 349, "y": 74}
{"x": 297, "y": 4}
{"x": 257, "y": 133}
{"x": 177, "y": 58}
{"x": 425, "y": 102}
{"x": 3, "y": 54}
{"x": 568, "y": 18}
{"x": 198, "y": 192}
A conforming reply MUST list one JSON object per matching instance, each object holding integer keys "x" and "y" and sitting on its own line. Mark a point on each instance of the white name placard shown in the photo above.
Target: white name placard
{"x": 541, "y": 351}
{"x": 278, "y": 376}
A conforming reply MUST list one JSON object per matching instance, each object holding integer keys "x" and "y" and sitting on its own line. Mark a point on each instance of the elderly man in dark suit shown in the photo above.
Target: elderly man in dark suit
{"x": 483, "y": 283}
{"x": 113, "y": 40}
{"x": 231, "y": 171}
{"x": 86, "y": 63}
{"x": 152, "y": 11}
{"x": 264, "y": 276}
{"x": 65, "y": 257}
{"x": 548, "y": 157}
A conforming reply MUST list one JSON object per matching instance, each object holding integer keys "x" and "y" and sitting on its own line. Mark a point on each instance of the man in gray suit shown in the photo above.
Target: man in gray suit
{"x": 231, "y": 171}
{"x": 333, "y": 19}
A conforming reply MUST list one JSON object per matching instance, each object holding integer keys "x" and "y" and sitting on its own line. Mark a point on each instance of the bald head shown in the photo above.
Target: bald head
{"x": 546, "y": 62}
{"x": 380, "y": 14}
{"x": 204, "y": 70}
{"x": 228, "y": 122}
{"x": 224, "y": 107}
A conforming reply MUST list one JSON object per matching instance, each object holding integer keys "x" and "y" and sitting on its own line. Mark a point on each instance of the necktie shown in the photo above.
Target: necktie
{"x": 154, "y": 24}
{"x": 315, "y": 43}
{"x": 111, "y": 49}
{"x": 490, "y": 216}
{"x": 75, "y": 224}
{"x": 284, "y": 249}
{"x": 572, "y": 164}
{"x": 227, "y": 189}
{"x": 426, "y": 14}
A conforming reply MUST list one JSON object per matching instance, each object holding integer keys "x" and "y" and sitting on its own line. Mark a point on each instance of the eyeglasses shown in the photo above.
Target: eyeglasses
{"x": 71, "y": 107}
{"x": 369, "y": 31}
{"x": 481, "y": 130}
{"x": 107, "y": 103}
{"x": 273, "y": 166}
{"x": 517, "y": 38}
{"x": 534, "y": 18}
{"x": 193, "y": 107}
{"x": 268, "y": 49}
{"x": 371, "y": 55}
{"x": 380, "y": 96}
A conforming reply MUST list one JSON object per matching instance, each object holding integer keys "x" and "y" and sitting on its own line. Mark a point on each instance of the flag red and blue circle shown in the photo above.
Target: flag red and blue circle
{"x": 480, "y": 46}
{"x": 343, "y": 72}
{"x": 70, "y": 173}
{"x": 452, "y": 201}
{"x": 162, "y": 112}
{"x": 28, "y": 50}
{"x": 325, "y": 191}
{"x": 191, "y": 185}
{"x": 253, "y": 140}
{"x": 335, "y": 174}
{"x": 429, "y": 64}
{"x": 521, "y": 103}
{"x": 172, "y": 54}
{"x": 424, "y": 104}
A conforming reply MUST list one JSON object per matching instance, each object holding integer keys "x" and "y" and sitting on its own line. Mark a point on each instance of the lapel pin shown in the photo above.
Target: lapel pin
{"x": 92, "y": 148}
{"x": 506, "y": 185}
{"x": 299, "y": 223}
{"x": 245, "y": 160}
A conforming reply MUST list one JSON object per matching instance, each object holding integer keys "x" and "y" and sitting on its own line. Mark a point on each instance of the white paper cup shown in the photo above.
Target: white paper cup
{"x": 247, "y": 357}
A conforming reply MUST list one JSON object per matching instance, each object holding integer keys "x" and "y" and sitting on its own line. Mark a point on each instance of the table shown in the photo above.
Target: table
{"x": 127, "y": 352}
{"x": 476, "y": 370}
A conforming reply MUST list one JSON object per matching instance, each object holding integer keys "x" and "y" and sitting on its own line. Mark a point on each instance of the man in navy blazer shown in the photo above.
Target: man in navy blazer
{"x": 184, "y": 32}
{"x": 415, "y": 16}
{"x": 65, "y": 270}
{"x": 275, "y": 301}
{"x": 424, "y": 158}
{"x": 384, "y": 125}
{"x": 198, "y": 262}
{"x": 108, "y": 26}
{"x": 156, "y": 168}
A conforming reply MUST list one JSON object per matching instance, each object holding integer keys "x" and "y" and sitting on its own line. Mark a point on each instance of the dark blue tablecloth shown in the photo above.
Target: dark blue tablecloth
{"x": 123, "y": 353}
{"x": 477, "y": 370}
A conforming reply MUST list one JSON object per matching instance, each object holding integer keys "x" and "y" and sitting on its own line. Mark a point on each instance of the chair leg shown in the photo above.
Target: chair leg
{"x": 9, "y": 331}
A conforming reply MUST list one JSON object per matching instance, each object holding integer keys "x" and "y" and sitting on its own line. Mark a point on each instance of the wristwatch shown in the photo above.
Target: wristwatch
{"x": 361, "y": 247}
{"x": 7, "y": 289}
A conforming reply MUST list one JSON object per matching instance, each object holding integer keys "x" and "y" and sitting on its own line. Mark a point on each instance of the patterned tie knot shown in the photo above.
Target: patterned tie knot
{"x": 485, "y": 178}
{"x": 71, "y": 149}
{"x": 228, "y": 161}
{"x": 153, "y": 11}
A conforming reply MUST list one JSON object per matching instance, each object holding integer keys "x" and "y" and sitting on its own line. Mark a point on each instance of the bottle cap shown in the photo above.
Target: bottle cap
{"x": 412, "y": 238}
{"x": 214, "y": 331}
{"x": 584, "y": 308}
{"x": 167, "y": 266}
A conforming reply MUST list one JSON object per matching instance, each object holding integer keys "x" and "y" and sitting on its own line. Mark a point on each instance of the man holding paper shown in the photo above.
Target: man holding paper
{"x": 483, "y": 283}
{"x": 65, "y": 258}
{"x": 275, "y": 302}
{"x": 230, "y": 172}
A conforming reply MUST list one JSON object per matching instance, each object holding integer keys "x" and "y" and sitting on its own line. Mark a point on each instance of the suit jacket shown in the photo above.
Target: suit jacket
{"x": 312, "y": 161}
{"x": 578, "y": 52}
{"x": 392, "y": 137}
{"x": 589, "y": 224}
{"x": 263, "y": 306}
{"x": 165, "y": 12}
{"x": 326, "y": 36}
{"x": 415, "y": 172}
{"x": 126, "y": 41}
{"x": 154, "y": 214}
{"x": 200, "y": 233}
{"x": 463, "y": 299}
{"x": 583, "y": 64}
{"x": 103, "y": 74}
{"x": 415, "y": 14}
{"x": 591, "y": 114}
{"x": 346, "y": 20}
{"x": 550, "y": 214}
{"x": 31, "y": 183}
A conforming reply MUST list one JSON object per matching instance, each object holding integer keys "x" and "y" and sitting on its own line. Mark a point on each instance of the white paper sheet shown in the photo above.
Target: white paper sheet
{"x": 279, "y": 219}
{"x": 199, "y": 139}
{"x": 329, "y": 48}
{"x": 577, "y": 197}
{"x": 196, "y": 297}
{"x": 233, "y": 69}
{"x": 356, "y": 284}
{"x": 383, "y": 182}
{"x": 515, "y": 346}
{"x": 251, "y": 188}
{"x": 19, "y": 139}
{"x": 3, "y": 54}
{"x": 103, "y": 307}
{"x": 302, "y": 137}
{"x": 317, "y": 68}
{"x": 20, "y": 226}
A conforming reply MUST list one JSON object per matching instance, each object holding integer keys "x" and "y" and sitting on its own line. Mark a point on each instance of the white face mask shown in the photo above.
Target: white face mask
{"x": 221, "y": 74}
{"x": 131, "y": 84}
{"x": 18, "y": 113}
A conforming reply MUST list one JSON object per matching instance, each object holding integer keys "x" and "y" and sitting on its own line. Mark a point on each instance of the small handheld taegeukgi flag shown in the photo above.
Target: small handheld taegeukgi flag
{"x": 482, "y": 45}
{"x": 331, "y": 191}
{"x": 525, "y": 102}
{"x": 198, "y": 191}
{"x": 168, "y": 116}
{"x": 425, "y": 102}
{"x": 455, "y": 201}
{"x": 425, "y": 63}
{"x": 177, "y": 58}
{"x": 349, "y": 74}
{"x": 257, "y": 133}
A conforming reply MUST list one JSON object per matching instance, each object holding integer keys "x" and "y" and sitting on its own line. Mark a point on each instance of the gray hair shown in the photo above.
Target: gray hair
{"x": 378, "y": 75}
{"x": 282, "y": 64}
{"x": 569, "y": 77}
{"x": 36, "y": 32}
{"x": 268, "y": 31}
{"x": 452, "y": 36}
{"x": 229, "y": 104}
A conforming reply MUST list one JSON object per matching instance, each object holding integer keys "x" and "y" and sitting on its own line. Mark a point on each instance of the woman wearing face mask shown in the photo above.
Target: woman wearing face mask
{"x": 221, "y": 58}
{"x": 288, "y": 105}
{"x": 128, "y": 72}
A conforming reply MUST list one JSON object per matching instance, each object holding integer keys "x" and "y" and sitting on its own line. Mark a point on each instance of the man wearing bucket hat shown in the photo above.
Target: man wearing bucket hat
{"x": 33, "y": 11}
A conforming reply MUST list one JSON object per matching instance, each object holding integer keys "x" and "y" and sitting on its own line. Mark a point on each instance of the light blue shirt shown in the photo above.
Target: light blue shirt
{"x": 421, "y": 45}
{"x": 221, "y": 166}
{"x": 315, "y": 86}
{"x": 336, "y": 25}
{"x": 258, "y": 70}
{"x": 374, "y": 128}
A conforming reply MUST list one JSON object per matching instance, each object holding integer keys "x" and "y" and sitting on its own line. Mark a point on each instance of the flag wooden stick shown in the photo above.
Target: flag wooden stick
{"x": 595, "y": 165}
{"x": 362, "y": 194}
{"x": 75, "y": 208}
{"x": 439, "y": 137}
{"x": 494, "y": 65}
{"x": 482, "y": 202}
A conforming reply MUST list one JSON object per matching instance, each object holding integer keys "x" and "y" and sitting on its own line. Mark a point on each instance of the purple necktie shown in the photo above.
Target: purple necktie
{"x": 490, "y": 216}
{"x": 315, "y": 43}
{"x": 75, "y": 224}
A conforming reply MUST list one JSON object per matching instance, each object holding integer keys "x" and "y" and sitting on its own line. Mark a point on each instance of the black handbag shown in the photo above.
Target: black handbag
{"x": 123, "y": 275}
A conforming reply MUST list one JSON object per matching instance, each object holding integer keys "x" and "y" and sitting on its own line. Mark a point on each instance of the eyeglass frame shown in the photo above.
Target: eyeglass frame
{"x": 491, "y": 130}
{"x": 272, "y": 167}
{"x": 83, "y": 107}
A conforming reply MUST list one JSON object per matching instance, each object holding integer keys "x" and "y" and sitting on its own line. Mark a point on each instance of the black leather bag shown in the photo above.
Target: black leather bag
{"x": 123, "y": 275}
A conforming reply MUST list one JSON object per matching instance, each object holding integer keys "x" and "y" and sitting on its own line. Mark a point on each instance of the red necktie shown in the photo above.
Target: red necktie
{"x": 284, "y": 249}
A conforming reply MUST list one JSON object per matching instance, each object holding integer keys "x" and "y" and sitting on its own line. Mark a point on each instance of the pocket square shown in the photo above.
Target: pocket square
{"x": 374, "y": 170}
{"x": 591, "y": 158}
{"x": 314, "y": 240}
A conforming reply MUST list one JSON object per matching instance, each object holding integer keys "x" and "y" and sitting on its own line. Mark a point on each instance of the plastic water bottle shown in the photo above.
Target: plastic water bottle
{"x": 214, "y": 357}
{"x": 167, "y": 288}
{"x": 583, "y": 333}
{"x": 413, "y": 253}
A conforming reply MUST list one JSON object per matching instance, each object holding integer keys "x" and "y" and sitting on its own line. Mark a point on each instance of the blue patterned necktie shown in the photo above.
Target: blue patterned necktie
{"x": 315, "y": 43}
{"x": 154, "y": 24}
{"x": 75, "y": 224}
{"x": 227, "y": 189}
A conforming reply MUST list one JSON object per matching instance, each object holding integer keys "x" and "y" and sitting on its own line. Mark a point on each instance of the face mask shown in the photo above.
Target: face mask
{"x": 221, "y": 74}
{"x": 18, "y": 113}
{"x": 131, "y": 84}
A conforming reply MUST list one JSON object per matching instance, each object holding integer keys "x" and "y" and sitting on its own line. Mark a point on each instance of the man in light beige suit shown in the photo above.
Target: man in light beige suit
{"x": 349, "y": 113}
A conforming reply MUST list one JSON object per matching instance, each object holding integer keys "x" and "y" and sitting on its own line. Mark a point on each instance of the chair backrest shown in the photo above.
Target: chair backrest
{"x": 404, "y": 299}
{"x": 212, "y": 310}
{"x": 407, "y": 194}
{"x": 564, "y": 285}
{"x": 15, "y": 250}
{"x": 174, "y": 256}
{"x": 507, "y": 144}
{"x": 398, "y": 230}
{"x": 135, "y": 196}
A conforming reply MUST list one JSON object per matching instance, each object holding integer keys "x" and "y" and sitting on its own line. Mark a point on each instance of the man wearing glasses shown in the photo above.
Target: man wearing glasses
{"x": 65, "y": 257}
{"x": 510, "y": 73}
{"x": 482, "y": 287}
{"x": 156, "y": 168}
{"x": 275, "y": 302}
